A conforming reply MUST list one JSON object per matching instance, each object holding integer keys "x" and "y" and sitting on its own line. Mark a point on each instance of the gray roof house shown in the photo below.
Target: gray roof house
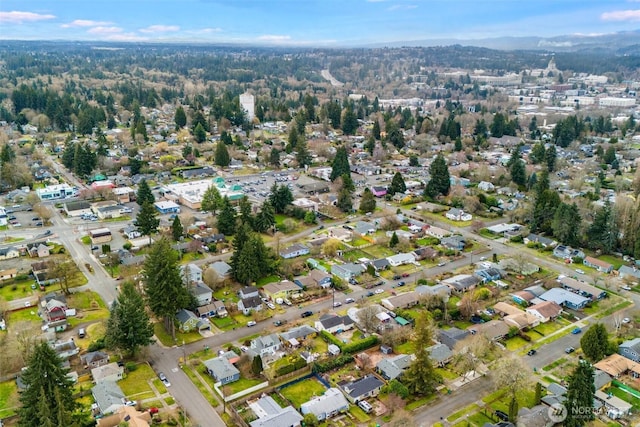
{"x": 109, "y": 372}
{"x": 360, "y": 389}
{"x": 222, "y": 269}
{"x": 263, "y": 346}
{"x": 94, "y": 359}
{"x": 392, "y": 367}
{"x": 108, "y": 396}
{"x": 270, "y": 414}
{"x": 440, "y": 354}
{"x": 331, "y": 403}
{"x": 452, "y": 336}
{"x": 251, "y": 303}
{"x": 333, "y": 323}
{"x": 299, "y": 332}
{"x": 294, "y": 251}
{"x": 248, "y": 291}
{"x": 630, "y": 349}
{"x": 221, "y": 368}
{"x": 347, "y": 271}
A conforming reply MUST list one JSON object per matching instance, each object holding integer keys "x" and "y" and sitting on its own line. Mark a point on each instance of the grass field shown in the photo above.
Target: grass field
{"x": 224, "y": 323}
{"x": 242, "y": 384}
{"x": 302, "y": 391}
{"x": 8, "y": 398}
{"x": 136, "y": 384}
{"x": 166, "y": 339}
{"x": 203, "y": 390}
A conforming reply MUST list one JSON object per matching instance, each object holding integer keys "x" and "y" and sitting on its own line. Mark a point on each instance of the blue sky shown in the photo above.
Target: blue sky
{"x": 309, "y": 22}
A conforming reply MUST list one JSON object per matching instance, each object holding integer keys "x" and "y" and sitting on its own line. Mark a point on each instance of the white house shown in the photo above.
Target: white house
{"x": 401, "y": 259}
{"x": 486, "y": 186}
{"x": 456, "y": 214}
{"x": 267, "y": 345}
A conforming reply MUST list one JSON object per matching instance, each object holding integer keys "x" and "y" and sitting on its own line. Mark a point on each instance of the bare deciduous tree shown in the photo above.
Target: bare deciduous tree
{"x": 368, "y": 319}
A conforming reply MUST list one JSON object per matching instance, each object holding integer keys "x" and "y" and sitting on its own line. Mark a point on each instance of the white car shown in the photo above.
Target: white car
{"x": 337, "y": 304}
{"x": 271, "y": 305}
{"x": 579, "y": 271}
{"x": 244, "y": 349}
{"x": 164, "y": 379}
{"x": 626, "y": 288}
{"x": 379, "y": 291}
{"x": 626, "y": 320}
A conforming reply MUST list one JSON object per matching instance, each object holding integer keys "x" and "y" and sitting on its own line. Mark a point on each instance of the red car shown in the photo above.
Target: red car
{"x": 405, "y": 274}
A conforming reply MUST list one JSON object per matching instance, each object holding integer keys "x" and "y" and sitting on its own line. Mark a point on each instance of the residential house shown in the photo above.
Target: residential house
{"x": 108, "y": 372}
{"x": 456, "y": 243}
{"x": 126, "y": 414}
{"x": 293, "y": 336}
{"x": 455, "y": 214}
{"x": 440, "y": 354}
{"x": 505, "y": 309}
{"x": 494, "y": 330}
{"x": 190, "y": 273}
{"x": 222, "y": 269}
{"x": 439, "y": 289}
{"x": 187, "y": 320}
{"x": 347, "y": 271}
{"x": 380, "y": 264}
{"x": 167, "y": 207}
{"x": 379, "y": 191}
{"x": 601, "y": 379}
{"x": 486, "y": 186}
{"x": 537, "y": 416}
{"x": 283, "y": 289}
{"x": 214, "y": 309}
{"x": 624, "y": 271}
{"x": 521, "y": 320}
{"x": 54, "y": 308}
{"x": 545, "y": 311}
{"x": 94, "y": 359}
{"x": 567, "y": 252}
{"x": 527, "y": 295}
{"x": 202, "y": 293}
{"x": 334, "y": 323}
{"x": 65, "y": 349}
{"x": 392, "y": 367}
{"x": 360, "y": 389}
{"x": 325, "y": 406}
{"x": 38, "y": 250}
{"x": 364, "y": 228}
{"x": 616, "y": 365}
{"x": 246, "y": 305}
{"x": 198, "y": 173}
{"x": 131, "y": 232}
{"x": 340, "y": 233}
{"x": 270, "y": 414}
{"x": 402, "y": 259}
{"x": 9, "y": 252}
{"x": 582, "y": 288}
{"x": 565, "y": 298}
{"x": 108, "y": 397}
{"x": 248, "y": 291}
{"x": 322, "y": 278}
{"x": 601, "y": 266}
{"x": 614, "y": 407}
{"x": 265, "y": 345}
{"x": 545, "y": 242}
{"x": 630, "y": 349}
{"x": 488, "y": 274}
{"x": 306, "y": 204}
{"x": 222, "y": 369}
{"x": 8, "y": 274}
{"x": 461, "y": 282}
{"x": 437, "y": 232}
{"x": 425, "y": 252}
{"x": 452, "y": 336}
{"x": 404, "y": 300}
{"x": 294, "y": 251}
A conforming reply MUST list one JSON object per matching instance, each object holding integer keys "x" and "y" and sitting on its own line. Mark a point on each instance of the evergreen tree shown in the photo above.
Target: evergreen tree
{"x": 199, "y": 119}
{"x": 265, "y": 219}
{"x": 375, "y": 132}
{"x": 413, "y": 161}
{"x": 439, "y": 182}
{"x": 147, "y": 220}
{"x": 370, "y": 145}
{"x": 349, "y": 121}
{"x": 48, "y": 395}
{"x": 340, "y": 165}
{"x": 580, "y": 393}
{"x": 144, "y": 194}
{"x": 367, "y": 202}
{"x": 544, "y": 209}
{"x": 221, "y": 155}
{"x": 538, "y": 392}
{"x": 602, "y": 234}
{"x": 280, "y": 198}
{"x": 595, "y": 343}
{"x": 550, "y": 158}
{"x": 128, "y": 327}
{"x": 227, "y": 218}
{"x": 518, "y": 173}
{"x": 211, "y": 200}
{"x": 255, "y": 261}
{"x": 199, "y": 134}
{"x": 538, "y": 153}
{"x": 256, "y": 365}
{"x": 458, "y": 144}
{"x": 421, "y": 378}
{"x": 164, "y": 290}
{"x": 274, "y": 157}
{"x": 566, "y": 224}
{"x": 393, "y": 242}
{"x": 344, "y": 202}
{"x": 177, "y": 231}
{"x": 241, "y": 237}
{"x": 397, "y": 184}
{"x": 303, "y": 157}
{"x": 292, "y": 139}
{"x": 246, "y": 214}
{"x": 180, "y": 118}
{"x": 394, "y": 134}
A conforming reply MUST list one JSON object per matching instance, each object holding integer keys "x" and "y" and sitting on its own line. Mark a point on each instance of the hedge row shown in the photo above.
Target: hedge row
{"x": 298, "y": 363}
{"x": 353, "y": 347}
{"x": 319, "y": 367}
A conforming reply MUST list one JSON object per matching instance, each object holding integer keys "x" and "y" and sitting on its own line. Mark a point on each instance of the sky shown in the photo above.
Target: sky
{"x": 309, "y": 23}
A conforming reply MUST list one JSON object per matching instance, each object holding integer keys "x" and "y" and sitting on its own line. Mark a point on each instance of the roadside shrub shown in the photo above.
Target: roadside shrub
{"x": 96, "y": 345}
{"x": 130, "y": 366}
{"x": 364, "y": 344}
{"x": 320, "y": 367}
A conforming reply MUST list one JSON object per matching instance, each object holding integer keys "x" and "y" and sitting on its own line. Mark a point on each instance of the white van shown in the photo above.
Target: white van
{"x": 364, "y": 405}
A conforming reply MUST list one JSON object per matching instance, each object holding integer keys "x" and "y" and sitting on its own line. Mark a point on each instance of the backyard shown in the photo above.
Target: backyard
{"x": 136, "y": 384}
{"x": 8, "y": 398}
{"x": 302, "y": 391}
{"x": 168, "y": 341}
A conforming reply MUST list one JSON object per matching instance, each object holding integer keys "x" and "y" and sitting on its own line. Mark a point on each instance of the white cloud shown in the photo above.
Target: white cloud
{"x": 621, "y": 15}
{"x": 160, "y": 29}
{"x": 209, "y": 30}
{"x": 104, "y": 30}
{"x": 85, "y": 23}
{"x": 17, "y": 17}
{"x": 274, "y": 38}
{"x": 401, "y": 7}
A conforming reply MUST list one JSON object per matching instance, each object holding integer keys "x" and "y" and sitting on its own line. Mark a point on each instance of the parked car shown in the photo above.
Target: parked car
{"x": 279, "y": 322}
{"x": 337, "y": 304}
{"x": 531, "y": 352}
{"x": 370, "y": 294}
{"x": 579, "y": 271}
{"x": 626, "y": 287}
{"x": 244, "y": 348}
{"x": 626, "y": 320}
{"x": 164, "y": 379}
{"x": 365, "y": 406}
{"x": 379, "y": 291}
{"x": 349, "y": 301}
{"x": 401, "y": 284}
{"x": 405, "y": 274}
{"x": 569, "y": 350}
{"x": 502, "y": 415}
{"x": 397, "y": 277}
{"x": 576, "y": 331}
{"x": 271, "y": 305}
{"x": 251, "y": 323}
{"x": 307, "y": 314}
{"x": 441, "y": 264}
{"x": 82, "y": 333}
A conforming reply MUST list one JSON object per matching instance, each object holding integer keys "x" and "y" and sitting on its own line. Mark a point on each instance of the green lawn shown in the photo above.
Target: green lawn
{"x": 136, "y": 384}
{"x": 268, "y": 279}
{"x": 21, "y": 289}
{"x": 406, "y": 348}
{"x": 547, "y": 328}
{"x": 515, "y": 343}
{"x": 28, "y": 314}
{"x": 554, "y": 364}
{"x": 201, "y": 387}
{"x": 242, "y": 384}
{"x": 224, "y": 323}
{"x": 302, "y": 391}
{"x": 625, "y": 396}
{"x": 462, "y": 412}
{"x": 358, "y": 414}
{"x": 166, "y": 339}
{"x": 159, "y": 386}
{"x": 447, "y": 374}
{"x": 8, "y": 398}
{"x": 479, "y": 419}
